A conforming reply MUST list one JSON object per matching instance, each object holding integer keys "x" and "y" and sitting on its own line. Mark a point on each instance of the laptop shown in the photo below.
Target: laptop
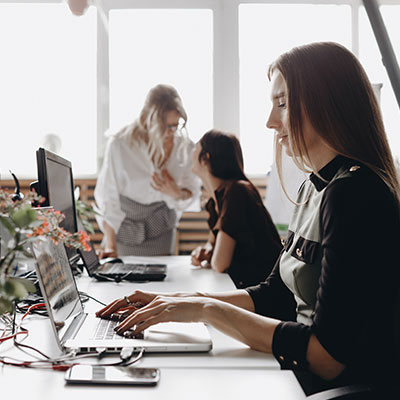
{"x": 76, "y": 330}
{"x": 118, "y": 271}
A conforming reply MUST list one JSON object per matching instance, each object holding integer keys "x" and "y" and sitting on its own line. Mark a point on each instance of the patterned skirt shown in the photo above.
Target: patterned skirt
{"x": 147, "y": 230}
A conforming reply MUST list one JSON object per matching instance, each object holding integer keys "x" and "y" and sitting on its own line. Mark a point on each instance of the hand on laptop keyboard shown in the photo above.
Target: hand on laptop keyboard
{"x": 136, "y": 300}
{"x": 130, "y": 335}
{"x": 106, "y": 330}
{"x": 123, "y": 313}
{"x": 118, "y": 316}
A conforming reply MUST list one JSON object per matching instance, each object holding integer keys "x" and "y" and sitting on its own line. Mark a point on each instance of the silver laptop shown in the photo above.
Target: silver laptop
{"x": 76, "y": 330}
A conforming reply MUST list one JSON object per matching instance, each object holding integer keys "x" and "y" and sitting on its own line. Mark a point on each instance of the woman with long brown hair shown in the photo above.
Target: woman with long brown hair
{"x": 329, "y": 309}
{"x": 243, "y": 240}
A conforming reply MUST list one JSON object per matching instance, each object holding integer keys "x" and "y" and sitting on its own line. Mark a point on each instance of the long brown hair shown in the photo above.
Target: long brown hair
{"x": 223, "y": 153}
{"x": 326, "y": 83}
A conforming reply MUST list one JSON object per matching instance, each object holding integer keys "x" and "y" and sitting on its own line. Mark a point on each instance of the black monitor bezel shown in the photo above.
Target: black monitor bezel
{"x": 42, "y": 155}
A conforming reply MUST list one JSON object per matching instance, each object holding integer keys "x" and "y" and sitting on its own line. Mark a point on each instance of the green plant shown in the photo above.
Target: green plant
{"x": 24, "y": 224}
{"x": 85, "y": 212}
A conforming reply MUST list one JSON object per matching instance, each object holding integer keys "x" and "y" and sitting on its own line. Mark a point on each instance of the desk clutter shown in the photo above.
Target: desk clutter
{"x": 228, "y": 361}
{"x": 26, "y": 340}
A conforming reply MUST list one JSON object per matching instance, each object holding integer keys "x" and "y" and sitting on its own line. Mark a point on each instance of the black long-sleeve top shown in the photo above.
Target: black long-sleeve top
{"x": 338, "y": 274}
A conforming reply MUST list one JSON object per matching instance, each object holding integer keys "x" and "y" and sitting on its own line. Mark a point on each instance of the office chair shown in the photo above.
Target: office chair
{"x": 353, "y": 392}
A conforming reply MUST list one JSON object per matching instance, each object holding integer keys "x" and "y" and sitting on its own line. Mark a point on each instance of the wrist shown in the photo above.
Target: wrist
{"x": 208, "y": 247}
{"x": 207, "y": 309}
{"x": 111, "y": 250}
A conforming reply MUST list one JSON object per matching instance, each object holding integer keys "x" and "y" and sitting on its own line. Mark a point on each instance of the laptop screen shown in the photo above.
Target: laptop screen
{"x": 57, "y": 283}
{"x": 89, "y": 258}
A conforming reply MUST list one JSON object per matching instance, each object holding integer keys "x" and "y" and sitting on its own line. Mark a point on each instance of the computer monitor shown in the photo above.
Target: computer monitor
{"x": 56, "y": 185}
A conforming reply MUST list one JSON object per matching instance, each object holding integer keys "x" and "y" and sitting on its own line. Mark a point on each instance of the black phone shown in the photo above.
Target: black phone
{"x": 108, "y": 375}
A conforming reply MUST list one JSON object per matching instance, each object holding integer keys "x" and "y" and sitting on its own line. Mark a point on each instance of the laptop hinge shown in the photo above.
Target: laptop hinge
{"x": 74, "y": 327}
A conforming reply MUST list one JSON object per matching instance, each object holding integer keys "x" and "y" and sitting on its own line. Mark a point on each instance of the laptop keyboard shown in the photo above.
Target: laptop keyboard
{"x": 105, "y": 331}
{"x": 132, "y": 268}
{"x": 120, "y": 268}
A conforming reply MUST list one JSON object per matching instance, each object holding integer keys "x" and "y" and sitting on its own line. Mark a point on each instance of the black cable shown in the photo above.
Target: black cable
{"x": 85, "y": 297}
{"x": 14, "y": 317}
{"x": 105, "y": 277}
{"x": 22, "y": 306}
{"x": 118, "y": 278}
{"x": 124, "y": 362}
{"x": 22, "y": 310}
{"x": 19, "y": 345}
{"x": 16, "y": 343}
{"x": 121, "y": 278}
{"x": 28, "y": 274}
{"x": 125, "y": 355}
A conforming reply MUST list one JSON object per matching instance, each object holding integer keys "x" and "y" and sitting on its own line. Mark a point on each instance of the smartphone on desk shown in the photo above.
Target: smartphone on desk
{"x": 97, "y": 374}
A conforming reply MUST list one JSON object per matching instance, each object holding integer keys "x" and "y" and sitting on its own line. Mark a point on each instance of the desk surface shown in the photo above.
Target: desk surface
{"x": 175, "y": 384}
{"x": 184, "y": 371}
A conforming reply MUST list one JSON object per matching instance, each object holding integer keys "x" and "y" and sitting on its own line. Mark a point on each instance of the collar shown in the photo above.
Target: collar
{"x": 328, "y": 172}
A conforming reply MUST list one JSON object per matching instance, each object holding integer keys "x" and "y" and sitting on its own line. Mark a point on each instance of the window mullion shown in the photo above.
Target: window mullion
{"x": 103, "y": 86}
{"x": 226, "y": 66}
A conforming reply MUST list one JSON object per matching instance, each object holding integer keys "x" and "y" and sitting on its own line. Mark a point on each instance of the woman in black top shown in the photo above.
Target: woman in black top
{"x": 243, "y": 240}
{"x": 329, "y": 308}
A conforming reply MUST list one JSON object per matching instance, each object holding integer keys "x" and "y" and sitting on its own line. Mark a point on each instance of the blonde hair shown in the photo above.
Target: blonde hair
{"x": 326, "y": 84}
{"x": 151, "y": 126}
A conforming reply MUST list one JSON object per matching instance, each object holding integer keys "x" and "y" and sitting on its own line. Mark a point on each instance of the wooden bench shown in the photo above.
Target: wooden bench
{"x": 192, "y": 229}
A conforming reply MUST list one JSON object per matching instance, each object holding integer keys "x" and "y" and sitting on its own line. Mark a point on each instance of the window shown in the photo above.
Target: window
{"x": 67, "y": 78}
{"x": 266, "y": 31}
{"x": 48, "y": 86}
{"x": 371, "y": 59}
{"x": 148, "y": 47}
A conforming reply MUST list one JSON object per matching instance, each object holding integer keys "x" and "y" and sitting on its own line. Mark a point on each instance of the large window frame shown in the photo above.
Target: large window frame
{"x": 226, "y": 95}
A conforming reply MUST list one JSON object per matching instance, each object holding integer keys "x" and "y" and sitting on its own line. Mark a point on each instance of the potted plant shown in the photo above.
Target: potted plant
{"x": 23, "y": 224}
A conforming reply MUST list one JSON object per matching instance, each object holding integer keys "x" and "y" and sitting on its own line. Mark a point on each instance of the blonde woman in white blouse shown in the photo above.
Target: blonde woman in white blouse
{"x": 146, "y": 181}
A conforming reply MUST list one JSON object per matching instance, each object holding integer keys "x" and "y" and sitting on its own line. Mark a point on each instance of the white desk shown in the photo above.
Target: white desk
{"x": 175, "y": 384}
{"x": 196, "y": 373}
{"x": 181, "y": 276}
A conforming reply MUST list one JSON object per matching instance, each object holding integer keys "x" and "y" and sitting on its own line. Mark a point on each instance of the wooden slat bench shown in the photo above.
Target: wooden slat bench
{"x": 192, "y": 229}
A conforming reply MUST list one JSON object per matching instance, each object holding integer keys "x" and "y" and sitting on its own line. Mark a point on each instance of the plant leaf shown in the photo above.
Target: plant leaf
{"x": 29, "y": 286}
{"x": 24, "y": 216}
{"x": 7, "y": 224}
{"x": 88, "y": 226}
{"x": 5, "y": 305}
{"x": 18, "y": 288}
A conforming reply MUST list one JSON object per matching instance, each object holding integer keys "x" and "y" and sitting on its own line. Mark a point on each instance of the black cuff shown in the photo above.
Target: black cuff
{"x": 289, "y": 345}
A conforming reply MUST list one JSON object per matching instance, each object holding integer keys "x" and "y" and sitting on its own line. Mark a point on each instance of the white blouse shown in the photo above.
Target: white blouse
{"x": 127, "y": 170}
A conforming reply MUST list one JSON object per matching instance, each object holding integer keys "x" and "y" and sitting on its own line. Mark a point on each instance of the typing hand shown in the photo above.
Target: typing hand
{"x": 164, "y": 309}
{"x": 127, "y": 304}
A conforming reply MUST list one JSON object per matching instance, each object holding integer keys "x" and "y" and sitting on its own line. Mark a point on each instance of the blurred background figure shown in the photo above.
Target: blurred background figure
{"x": 146, "y": 181}
{"x": 52, "y": 142}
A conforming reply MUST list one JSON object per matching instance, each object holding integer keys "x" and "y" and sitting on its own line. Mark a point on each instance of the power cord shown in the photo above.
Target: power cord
{"x": 85, "y": 297}
{"x": 117, "y": 279}
{"x": 61, "y": 363}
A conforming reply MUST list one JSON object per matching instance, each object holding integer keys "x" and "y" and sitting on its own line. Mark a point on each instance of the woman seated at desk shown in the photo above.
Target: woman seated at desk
{"x": 329, "y": 308}
{"x": 243, "y": 240}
